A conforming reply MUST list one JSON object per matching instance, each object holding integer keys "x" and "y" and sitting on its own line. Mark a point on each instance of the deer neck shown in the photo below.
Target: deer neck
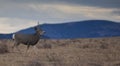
{"x": 37, "y": 34}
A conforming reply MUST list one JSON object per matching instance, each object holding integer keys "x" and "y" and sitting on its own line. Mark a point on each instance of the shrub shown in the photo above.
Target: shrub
{"x": 47, "y": 46}
{"x": 34, "y": 63}
{"x": 3, "y": 47}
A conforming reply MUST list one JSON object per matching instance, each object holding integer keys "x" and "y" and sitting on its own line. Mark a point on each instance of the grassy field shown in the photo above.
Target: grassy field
{"x": 69, "y": 52}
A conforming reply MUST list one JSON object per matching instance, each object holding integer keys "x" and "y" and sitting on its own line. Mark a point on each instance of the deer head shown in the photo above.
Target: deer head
{"x": 38, "y": 30}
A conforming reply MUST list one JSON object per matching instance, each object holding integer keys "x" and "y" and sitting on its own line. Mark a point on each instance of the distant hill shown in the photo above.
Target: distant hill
{"x": 78, "y": 29}
{"x": 5, "y": 36}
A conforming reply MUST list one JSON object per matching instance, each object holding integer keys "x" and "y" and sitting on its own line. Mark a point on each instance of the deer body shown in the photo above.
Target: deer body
{"x": 25, "y": 39}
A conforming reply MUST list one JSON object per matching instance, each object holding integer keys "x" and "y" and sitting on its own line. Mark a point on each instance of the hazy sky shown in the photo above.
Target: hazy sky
{"x": 19, "y": 14}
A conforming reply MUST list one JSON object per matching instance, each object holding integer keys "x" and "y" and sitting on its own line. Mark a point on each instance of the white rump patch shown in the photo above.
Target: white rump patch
{"x": 13, "y": 36}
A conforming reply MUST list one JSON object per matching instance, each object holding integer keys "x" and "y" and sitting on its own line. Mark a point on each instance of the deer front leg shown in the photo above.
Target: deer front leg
{"x": 28, "y": 45}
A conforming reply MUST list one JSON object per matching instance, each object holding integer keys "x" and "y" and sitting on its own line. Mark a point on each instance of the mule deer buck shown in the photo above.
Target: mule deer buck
{"x": 27, "y": 39}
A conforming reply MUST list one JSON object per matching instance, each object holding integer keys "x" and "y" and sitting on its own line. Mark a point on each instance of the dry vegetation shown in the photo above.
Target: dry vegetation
{"x": 69, "y": 52}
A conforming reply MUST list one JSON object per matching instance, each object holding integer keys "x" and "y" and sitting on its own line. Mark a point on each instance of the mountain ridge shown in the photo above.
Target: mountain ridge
{"x": 78, "y": 29}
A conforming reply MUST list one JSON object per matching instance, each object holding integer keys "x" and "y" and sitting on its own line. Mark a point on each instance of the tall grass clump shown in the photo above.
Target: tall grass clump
{"x": 3, "y": 47}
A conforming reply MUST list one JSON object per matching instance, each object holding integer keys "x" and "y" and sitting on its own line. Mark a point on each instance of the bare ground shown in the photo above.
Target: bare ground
{"x": 69, "y": 52}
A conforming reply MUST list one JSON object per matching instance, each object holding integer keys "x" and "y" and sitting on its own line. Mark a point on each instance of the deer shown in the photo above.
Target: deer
{"x": 27, "y": 39}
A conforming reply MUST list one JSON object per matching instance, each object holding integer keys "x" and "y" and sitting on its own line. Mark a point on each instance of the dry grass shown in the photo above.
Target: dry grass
{"x": 3, "y": 47}
{"x": 69, "y": 52}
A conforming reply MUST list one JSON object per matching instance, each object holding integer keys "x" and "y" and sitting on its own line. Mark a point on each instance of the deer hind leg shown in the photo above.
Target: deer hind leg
{"x": 13, "y": 45}
{"x": 17, "y": 47}
{"x": 16, "y": 44}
